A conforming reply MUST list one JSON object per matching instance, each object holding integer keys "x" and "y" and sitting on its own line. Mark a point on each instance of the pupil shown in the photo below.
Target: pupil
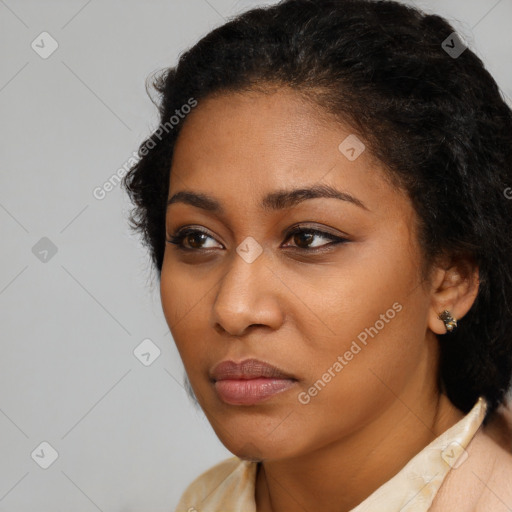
{"x": 307, "y": 237}
{"x": 195, "y": 237}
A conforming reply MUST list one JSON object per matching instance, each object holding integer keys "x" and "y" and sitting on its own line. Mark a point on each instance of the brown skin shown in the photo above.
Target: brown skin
{"x": 298, "y": 310}
{"x": 499, "y": 427}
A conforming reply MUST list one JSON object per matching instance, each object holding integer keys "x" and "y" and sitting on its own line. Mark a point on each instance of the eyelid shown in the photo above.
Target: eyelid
{"x": 314, "y": 228}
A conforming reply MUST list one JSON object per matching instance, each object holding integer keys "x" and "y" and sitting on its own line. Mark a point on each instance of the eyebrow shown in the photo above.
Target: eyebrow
{"x": 279, "y": 200}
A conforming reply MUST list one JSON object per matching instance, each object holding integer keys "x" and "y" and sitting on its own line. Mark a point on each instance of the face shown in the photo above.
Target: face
{"x": 324, "y": 286}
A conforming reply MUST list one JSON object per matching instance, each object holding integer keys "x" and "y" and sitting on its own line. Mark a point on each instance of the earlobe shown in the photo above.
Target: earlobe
{"x": 454, "y": 291}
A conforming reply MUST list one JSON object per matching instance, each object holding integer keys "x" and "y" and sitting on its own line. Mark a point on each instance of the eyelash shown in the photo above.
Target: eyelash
{"x": 178, "y": 238}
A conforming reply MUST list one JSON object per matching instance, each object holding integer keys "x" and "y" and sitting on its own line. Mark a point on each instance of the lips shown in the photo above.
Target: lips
{"x": 248, "y": 369}
{"x": 249, "y": 382}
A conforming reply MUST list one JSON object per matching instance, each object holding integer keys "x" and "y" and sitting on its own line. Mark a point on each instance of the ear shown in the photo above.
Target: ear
{"x": 454, "y": 287}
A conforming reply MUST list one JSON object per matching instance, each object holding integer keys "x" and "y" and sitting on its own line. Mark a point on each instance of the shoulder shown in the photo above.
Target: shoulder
{"x": 496, "y": 481}
{"x": 482, "y": 483}
{"x": 217, "y": 485}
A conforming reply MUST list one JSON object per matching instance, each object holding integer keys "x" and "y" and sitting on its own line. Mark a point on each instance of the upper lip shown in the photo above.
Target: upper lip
{"x": 247, "y": 369}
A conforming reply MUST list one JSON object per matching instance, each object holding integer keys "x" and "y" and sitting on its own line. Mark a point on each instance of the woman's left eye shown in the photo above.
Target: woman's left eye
{"x": 306, "y": 236}
{"x": 304, "y": 239}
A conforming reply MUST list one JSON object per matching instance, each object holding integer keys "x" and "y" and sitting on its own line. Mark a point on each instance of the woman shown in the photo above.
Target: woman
{"x": 324, "y": 202}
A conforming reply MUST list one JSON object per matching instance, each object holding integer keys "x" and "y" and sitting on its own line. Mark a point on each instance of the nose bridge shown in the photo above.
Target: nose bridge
{"x": 244, "y": 296}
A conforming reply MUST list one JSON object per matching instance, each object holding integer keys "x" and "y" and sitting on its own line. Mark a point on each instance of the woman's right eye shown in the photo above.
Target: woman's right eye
{"x": 195, "y": 238}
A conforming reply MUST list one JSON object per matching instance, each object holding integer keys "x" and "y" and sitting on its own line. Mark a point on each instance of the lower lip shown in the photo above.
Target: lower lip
{"x": 250, "y": 391}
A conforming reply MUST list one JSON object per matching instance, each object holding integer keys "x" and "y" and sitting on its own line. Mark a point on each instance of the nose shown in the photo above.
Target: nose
{"x": 248, "y": 296}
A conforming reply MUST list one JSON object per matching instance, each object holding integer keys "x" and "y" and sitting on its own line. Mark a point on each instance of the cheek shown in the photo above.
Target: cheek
{"x": 376, "y": 312}
{"x": 353, "y": 379}
{"x": 181, "y": 292}
{"x": 353, "y": 295}
{"x": 186, "y": 307}
{"x": 171, "y": 295}
{"x": 178, "y": 295}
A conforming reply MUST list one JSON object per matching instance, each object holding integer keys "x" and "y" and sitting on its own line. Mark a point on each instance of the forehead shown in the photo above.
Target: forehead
{"x": 242, "y": 146}
{"x": 233, "y": 123}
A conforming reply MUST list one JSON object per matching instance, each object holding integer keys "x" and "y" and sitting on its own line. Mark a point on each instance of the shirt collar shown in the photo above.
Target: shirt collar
{"x": 414, "y": 487}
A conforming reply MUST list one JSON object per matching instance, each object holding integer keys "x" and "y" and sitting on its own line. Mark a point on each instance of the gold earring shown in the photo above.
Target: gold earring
{"x": 449, "y": 322}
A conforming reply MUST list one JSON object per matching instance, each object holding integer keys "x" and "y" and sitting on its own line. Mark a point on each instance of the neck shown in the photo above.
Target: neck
{"x": 341, "y": 475}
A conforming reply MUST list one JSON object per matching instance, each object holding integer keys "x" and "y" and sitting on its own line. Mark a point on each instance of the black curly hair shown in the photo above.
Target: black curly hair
{"x": 436, "y": 121}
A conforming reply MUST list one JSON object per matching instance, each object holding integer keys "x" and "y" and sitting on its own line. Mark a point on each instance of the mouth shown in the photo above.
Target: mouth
{"x": 249, "y": 382}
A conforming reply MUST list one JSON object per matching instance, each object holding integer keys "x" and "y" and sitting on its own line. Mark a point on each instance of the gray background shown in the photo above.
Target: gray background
{"x": 127, "y": 436}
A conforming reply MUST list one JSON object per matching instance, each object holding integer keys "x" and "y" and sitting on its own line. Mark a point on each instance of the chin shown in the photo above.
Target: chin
{"x": 249, "y": 452}
{"x": 257, "y": 450}
{"x": 249, "y": 458}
